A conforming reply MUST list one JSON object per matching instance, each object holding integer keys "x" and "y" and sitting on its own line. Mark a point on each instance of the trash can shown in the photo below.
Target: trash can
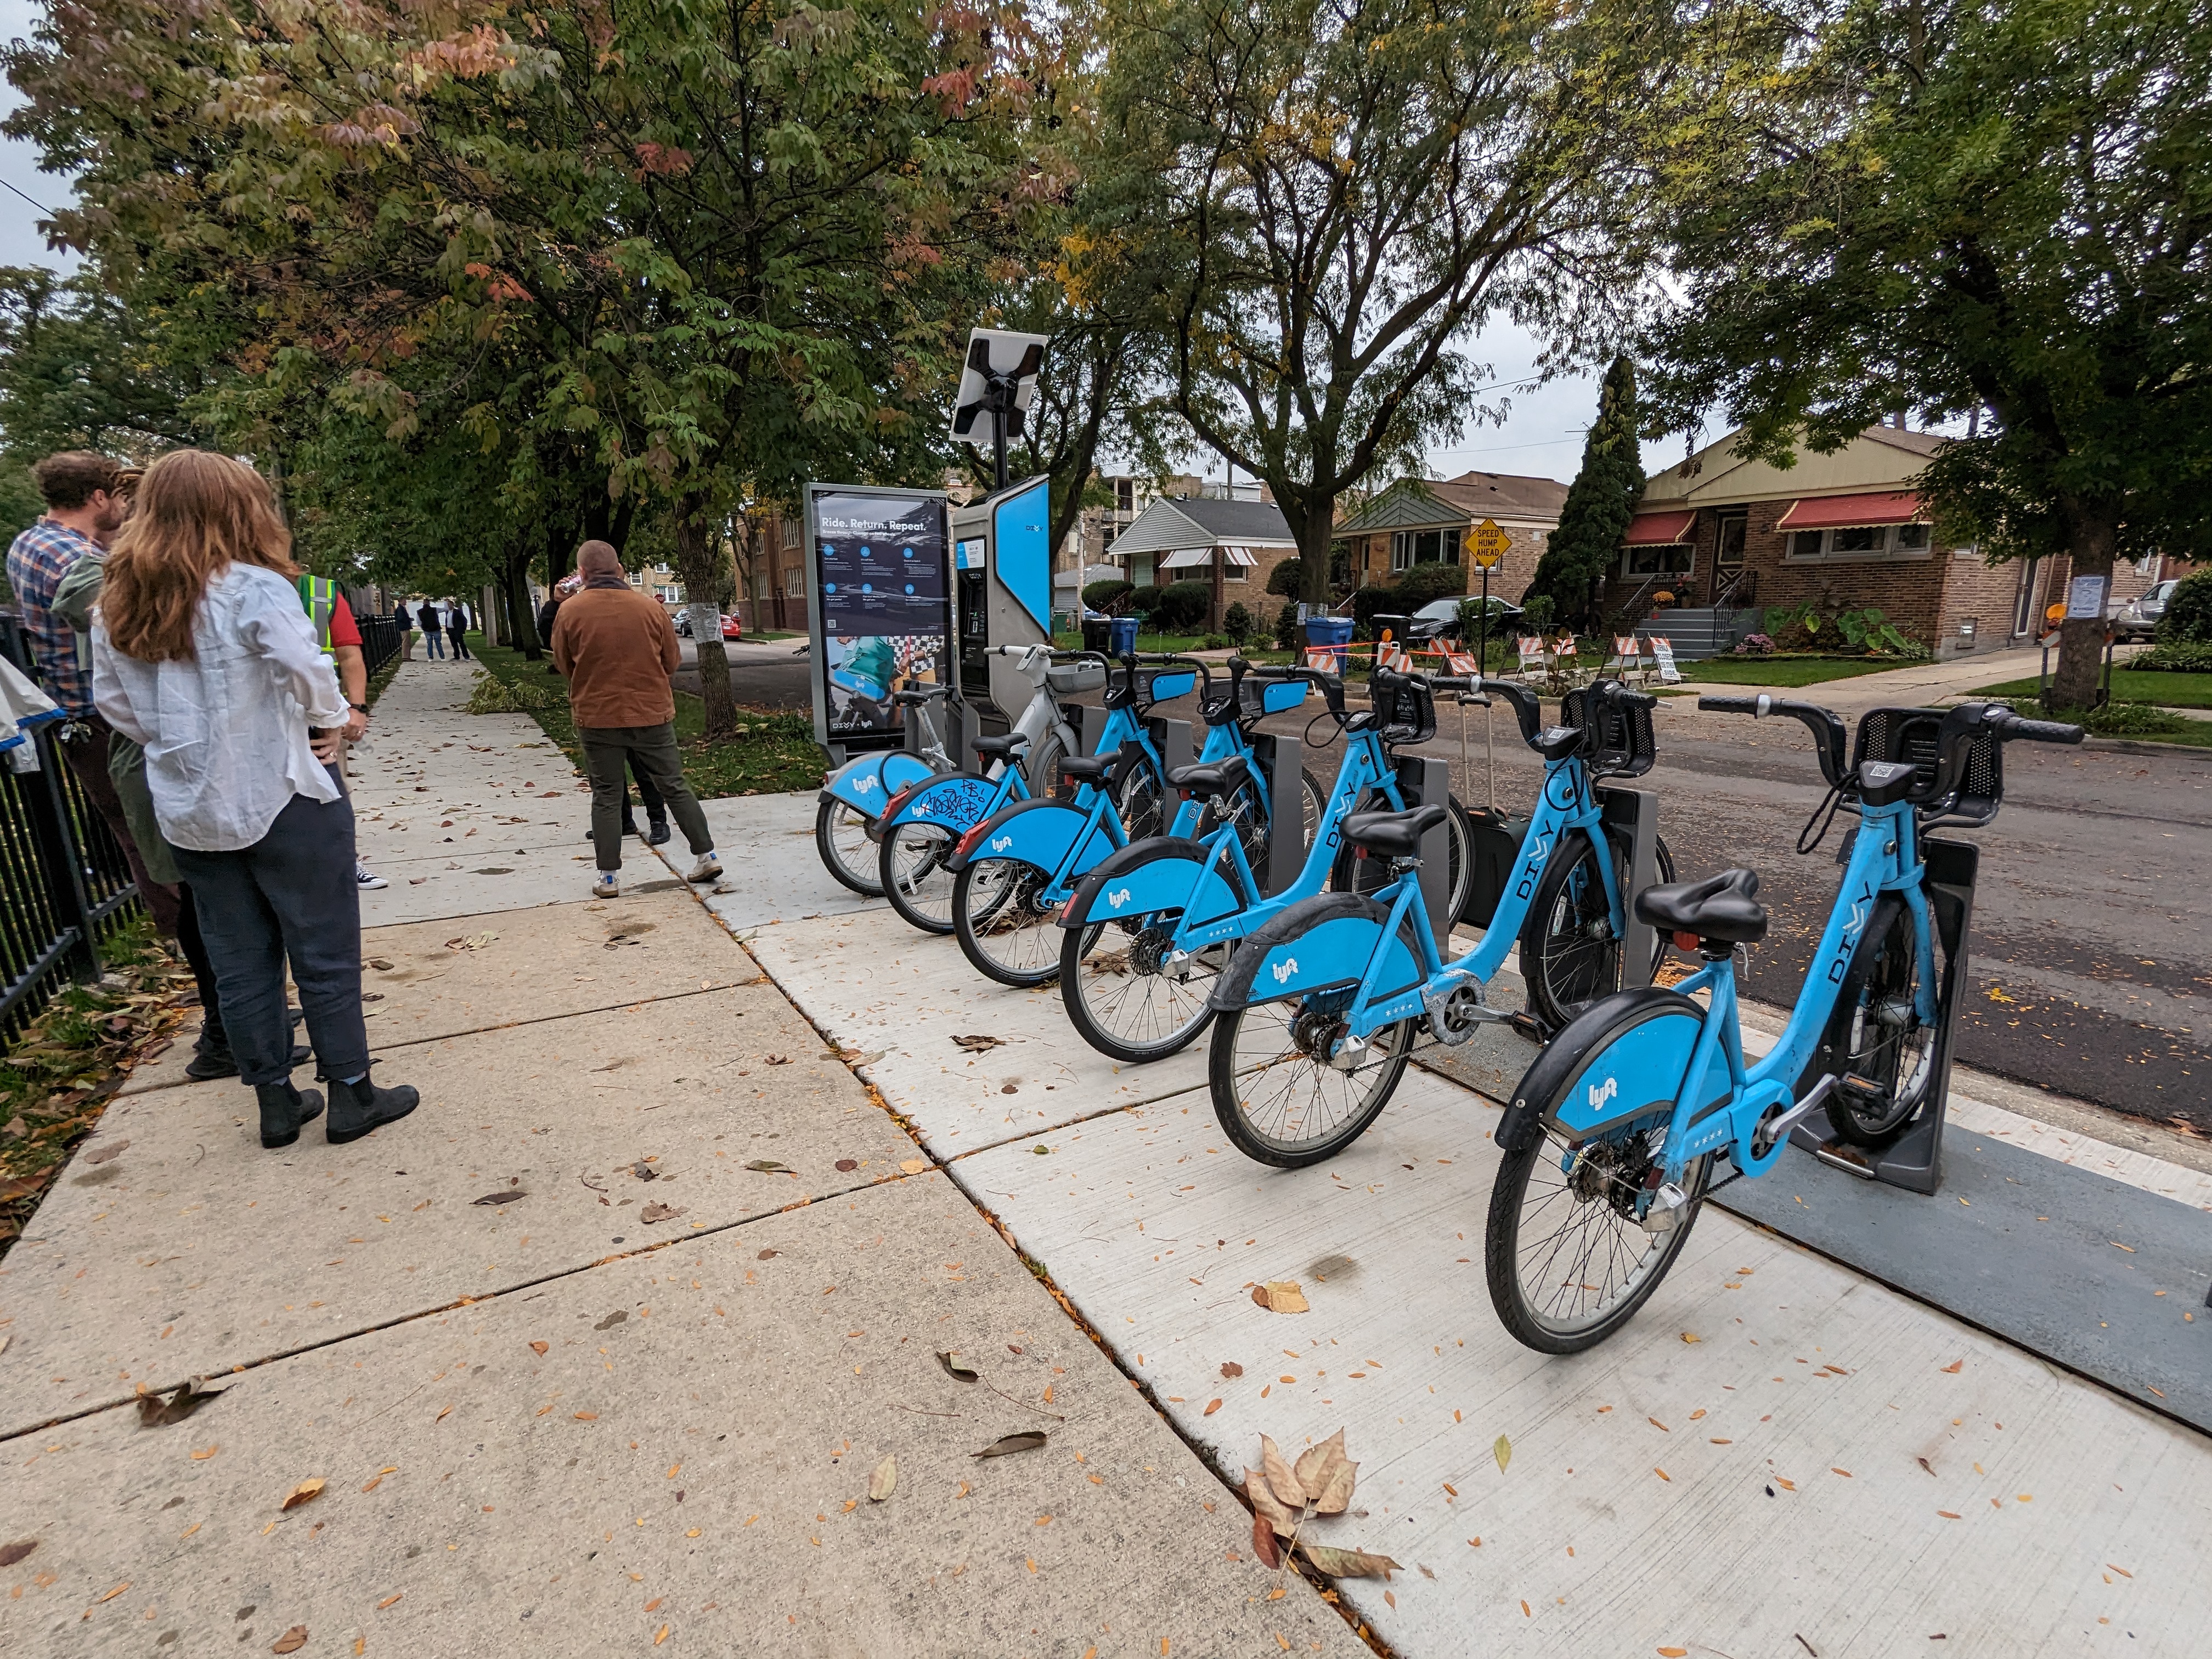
{"x": 1095, "y": 636}
{"x": 1121, "y": 632}
{"x": 1334, "y": 631}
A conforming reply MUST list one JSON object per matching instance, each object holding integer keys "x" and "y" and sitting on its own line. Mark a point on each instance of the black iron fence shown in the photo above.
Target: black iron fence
{"x": 379, "y": 641}
{"x": 65, "y": 882}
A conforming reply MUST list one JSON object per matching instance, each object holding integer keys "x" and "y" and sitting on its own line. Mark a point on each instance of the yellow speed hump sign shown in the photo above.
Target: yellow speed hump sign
{"x": 1490, "y": 544}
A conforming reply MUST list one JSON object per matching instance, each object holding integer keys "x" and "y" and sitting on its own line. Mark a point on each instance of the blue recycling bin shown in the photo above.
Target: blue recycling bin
{"x": 1121, "y": 637}
{"x": 1335, "y": 632}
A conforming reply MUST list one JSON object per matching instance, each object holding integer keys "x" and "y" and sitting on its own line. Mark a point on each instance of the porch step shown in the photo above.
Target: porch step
{"x": 1700, "y": 634}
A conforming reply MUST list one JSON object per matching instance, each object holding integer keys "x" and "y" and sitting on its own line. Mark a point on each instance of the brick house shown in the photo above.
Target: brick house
{"x": 1429, "y": 520}
{"x": 1731, "y": 539}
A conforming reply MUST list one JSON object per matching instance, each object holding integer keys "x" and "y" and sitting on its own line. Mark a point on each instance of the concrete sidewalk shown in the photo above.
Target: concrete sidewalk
{"x": 595, "y": 1353}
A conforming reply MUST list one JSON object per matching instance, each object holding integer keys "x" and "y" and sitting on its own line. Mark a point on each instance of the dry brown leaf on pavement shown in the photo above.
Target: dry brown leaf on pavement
{"x": 1280, "y": 1475}
{"x": 1263, "y": 1542}
{"x": 300, "y": 1494}
{"x": 980, "y": 1043}
{"x": 507, "y": 1197}
{"x": 769, "y": 1166}
{"x": 291, "y": 1641}
{"x": 1265, "y": 1504}
{"x": 154, "y": 1412}
{"x": 1028, "y": 1440}
{"x": 1347, "y": 1564}
{"x": 1327, "y": 1476}
{"x": 884, "y": 1480}
{"x": 955, "y": 1366}
{"x": 1282, "y": 1296}
{"x": 1231, "y": 1368}
{"x": 11, "y": 1553}
{"x": 657, "y": 1212}
{"x": 1503, "y": 1451}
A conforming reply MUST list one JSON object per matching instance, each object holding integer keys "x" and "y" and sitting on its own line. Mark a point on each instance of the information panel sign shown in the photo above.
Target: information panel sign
{"x": 878, "y": 607}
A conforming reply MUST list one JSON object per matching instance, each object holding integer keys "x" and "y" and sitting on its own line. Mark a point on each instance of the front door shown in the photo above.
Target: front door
{"x": 2024, "y": 618}
{"x": 1728, "y": 551}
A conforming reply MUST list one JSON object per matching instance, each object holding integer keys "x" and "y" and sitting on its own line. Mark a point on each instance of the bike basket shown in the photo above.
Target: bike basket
{"x": 1151, "y": 685}
{"x": 1617, "y": 740}
{"x": 1405, "y": 710}
{"x": 1065, "y": 679}
{"x": 1912, "y": 735}
{"x": 1258, "y": 698}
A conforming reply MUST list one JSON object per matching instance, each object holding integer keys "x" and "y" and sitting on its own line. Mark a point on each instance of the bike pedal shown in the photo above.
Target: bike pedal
{"x": 1862, "y": 1091}
{"x": 1529, "y": 1026}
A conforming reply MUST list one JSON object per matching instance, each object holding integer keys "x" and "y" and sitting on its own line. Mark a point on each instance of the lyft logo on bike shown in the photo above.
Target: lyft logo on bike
{"x": 1599, "y": 1094}
{"x": 1283, "y": 971}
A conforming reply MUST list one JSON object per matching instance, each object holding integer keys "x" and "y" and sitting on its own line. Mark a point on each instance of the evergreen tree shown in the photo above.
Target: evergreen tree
{"x": 1599, "y": 502}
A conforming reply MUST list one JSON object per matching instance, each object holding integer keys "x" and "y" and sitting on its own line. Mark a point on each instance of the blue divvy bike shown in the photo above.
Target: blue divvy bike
{"x": 1318, "y": 1013}
{"x": 855, "y": 795}
{"x": 918, "y": 829}
{"x": 1014, "y": 872}
{"x": 1610, "y": 1139}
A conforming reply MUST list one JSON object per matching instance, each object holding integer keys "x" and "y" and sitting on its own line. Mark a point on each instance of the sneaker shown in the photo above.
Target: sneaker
{"x": 366, "y": 879}
{"x": 708, "y": 868}
{"x": 657, "y": 831}
{"x": 605, "y": 885}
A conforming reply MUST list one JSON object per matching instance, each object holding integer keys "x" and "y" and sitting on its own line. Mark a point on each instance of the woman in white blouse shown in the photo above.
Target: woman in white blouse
{"x": 202, "y": 653}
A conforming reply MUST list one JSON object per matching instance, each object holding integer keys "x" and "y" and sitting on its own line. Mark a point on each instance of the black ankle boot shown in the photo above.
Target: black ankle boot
{"x": 283, "y": 1109}
{"x": 357, "y": 1107}
{"x": 657, "y": 831}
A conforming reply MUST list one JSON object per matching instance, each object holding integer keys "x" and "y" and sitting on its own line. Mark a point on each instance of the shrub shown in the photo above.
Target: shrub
{"x": 1239, "y": 623}
{"x": 1286, "y": 579}
{"x": 494, "y": 695}
{"x": 1182, "y": 606}
{"x": 1536, "y": 613}
{"x": 2177, "y": 657}
{"x": 1754, "y": 644}
{"x": 2128, "y": 720}
{"x": 1286, "y": 627}
{"x": 1214, "y": 642}
{"x": 1143, "y": 602}
{"x": 1107, "y": 595}
{"x": 2188, "y": 618}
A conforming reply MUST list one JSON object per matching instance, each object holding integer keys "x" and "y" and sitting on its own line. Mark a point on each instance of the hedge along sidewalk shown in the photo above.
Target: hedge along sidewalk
{"x": 773, "y": 753}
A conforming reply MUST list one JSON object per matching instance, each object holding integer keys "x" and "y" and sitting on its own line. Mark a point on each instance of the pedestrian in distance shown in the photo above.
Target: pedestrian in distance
{"x": 405, "y": 620}
{"x": 431, "y": 613}
{"x": 618, "y": 648}
{"x": 457, "y": 629}
{"x": 203, "y": 654}
{"x": 85, "y": 505}
{"x": 339, "y": 634}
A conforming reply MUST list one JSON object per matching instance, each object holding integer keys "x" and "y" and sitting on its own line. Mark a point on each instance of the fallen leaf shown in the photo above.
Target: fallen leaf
{"x": 512, "y": 1195}
{"x": 586, "y": 1416}
{"x": 955, "y": 1366}
{"x": 884, "y": 1480}
{"x": 914, "y": 1165}
{"x": 291, "y": 1641}
{"x": 1289, "y": 1490}
{"x": 1949, "y": 1514}
{"x": 1028, "y": 1440}
{"x": 1954, "y": 1368}
{"x": 105, "y": 1152}
{"x": 1327, "y": 1475}
{"x": 1692, "y": 1336}
{"x": 205, "y": 1452}
{"x": 1673, "y": 1653}
{"x": 1231, "y": 1368}
{"x": 154, "y": 1412}
{"x": 538, "y": 1347}
{"x": 1503, "y": 1451}
{"x": 779, "y": 1060}
{"x": 846, "y": 1165}
{"x": 657, "y": 1211}
{"x": 388, "y": 1601}
{"x": 1283, "y": 1296}
{"x": 1347, "y": 1564}
{"x": 769, "y": 1166}
{"x": 660, "y": 1636}
{"x": 765, "y": 1255}
{"x": 11, "y": 1553}
{"x": 1212, "y": 1406}
{"x": 1267, "y": 1506}
{"x": 300, "y": 1494}
{"x": 978, "y": 1044}
{"x": 1263, "y": 1541}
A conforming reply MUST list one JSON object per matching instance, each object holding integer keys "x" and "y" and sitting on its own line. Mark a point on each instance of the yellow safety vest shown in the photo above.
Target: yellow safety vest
{"x": 318, "y": 596}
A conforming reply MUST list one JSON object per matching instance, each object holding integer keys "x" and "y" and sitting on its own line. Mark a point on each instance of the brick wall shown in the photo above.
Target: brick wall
{"x": 1515, "y": 570}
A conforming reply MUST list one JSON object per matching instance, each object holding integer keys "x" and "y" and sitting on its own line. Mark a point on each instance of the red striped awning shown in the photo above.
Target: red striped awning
{"x": 1658, "y": 528}
{"x": 1852, "y": 511}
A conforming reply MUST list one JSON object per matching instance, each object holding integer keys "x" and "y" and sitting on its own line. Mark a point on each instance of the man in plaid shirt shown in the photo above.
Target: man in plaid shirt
{"x": 84, "y": 509}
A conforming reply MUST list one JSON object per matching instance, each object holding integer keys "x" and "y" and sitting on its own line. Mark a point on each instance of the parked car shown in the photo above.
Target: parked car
{"x": 733, "y": 627}
{"x": 2139, "y": 617}
{"x": 1439, "y": 619}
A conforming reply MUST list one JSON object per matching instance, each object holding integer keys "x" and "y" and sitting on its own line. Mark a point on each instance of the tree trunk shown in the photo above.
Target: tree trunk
{"x": 522, "y": 626}
{"x": 2092, "y": 540}
{"x": 1316, "y": 530}
{"x": 697, "y": 562}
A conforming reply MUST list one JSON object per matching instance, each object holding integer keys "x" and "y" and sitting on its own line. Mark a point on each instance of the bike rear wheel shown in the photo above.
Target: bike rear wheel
{"x": 1358, "y": 875}
{"x": 1876, "y": 1033}
{"x": 1118, "y": 999}
{"x": 911, "y": 866}
{"x": 841, "y": 835}
{"x": 1004, "y": 925}
{"x": 1278, "y": 1098}
{"x": 1570, "y": 954}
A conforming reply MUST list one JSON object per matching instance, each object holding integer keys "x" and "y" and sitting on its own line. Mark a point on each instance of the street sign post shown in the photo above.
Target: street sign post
{"x": 1490, "y": 545}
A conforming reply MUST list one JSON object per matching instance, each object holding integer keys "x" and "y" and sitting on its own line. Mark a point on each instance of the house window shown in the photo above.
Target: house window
{"x": 1233, "y": 573}
{"x": 1125, "y": 494}
{"x": 794, "y": 583}
{"x": 1674, "y": 559}
{"x": 1411, "y": 547}
{"x": 1859, "y": 541}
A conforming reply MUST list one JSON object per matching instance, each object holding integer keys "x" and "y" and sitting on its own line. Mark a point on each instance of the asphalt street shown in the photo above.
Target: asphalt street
{"x": 2091, "y": 957}
{"x": 765, "y": 675}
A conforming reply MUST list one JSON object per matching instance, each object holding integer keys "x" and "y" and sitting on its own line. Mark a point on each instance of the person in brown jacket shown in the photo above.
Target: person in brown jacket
{"x": 617, "y": 648}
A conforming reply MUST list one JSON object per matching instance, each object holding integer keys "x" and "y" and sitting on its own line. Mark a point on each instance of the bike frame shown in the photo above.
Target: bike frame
{"x": 1885, "y": 858}
{"x": 1567, "y": 804}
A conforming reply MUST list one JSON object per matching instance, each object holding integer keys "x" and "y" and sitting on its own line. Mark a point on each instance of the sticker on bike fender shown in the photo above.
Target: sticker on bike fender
{"x": 952, "y": 803}
{"x": 1166, "y": 884}
{"x": 1336, "y": 952}
{"x": 1637, "y": 1073}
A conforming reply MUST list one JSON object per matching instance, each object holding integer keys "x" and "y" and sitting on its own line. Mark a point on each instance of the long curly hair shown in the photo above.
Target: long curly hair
{"x": 195, "y": 514}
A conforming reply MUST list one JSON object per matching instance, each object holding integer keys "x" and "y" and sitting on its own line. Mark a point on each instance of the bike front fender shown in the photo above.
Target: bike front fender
{"x": 868, "y": 783}
{"x": 956, "y": 802}
{"x": 1164, "y": 873}
{"x": 1319, "y": 944}
{"x": 1042, "y": 833}
{"x": 1623, "y": 1058}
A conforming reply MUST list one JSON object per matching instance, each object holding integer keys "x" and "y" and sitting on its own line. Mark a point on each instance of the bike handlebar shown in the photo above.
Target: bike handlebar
{"x": 2017, "y": 730}
{"x": 1824, "y": 724}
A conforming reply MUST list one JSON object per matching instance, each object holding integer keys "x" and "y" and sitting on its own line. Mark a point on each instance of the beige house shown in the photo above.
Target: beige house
{"x": 1234, "y": 545}
{"x": 1725, "y": 540}
{"x": 1429, "y": 520}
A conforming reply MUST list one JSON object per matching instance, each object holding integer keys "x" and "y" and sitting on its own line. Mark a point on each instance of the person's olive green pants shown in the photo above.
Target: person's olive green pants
{"x": 609, "y": 753}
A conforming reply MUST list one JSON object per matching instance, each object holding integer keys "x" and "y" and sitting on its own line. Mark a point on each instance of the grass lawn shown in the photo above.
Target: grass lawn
{"x": 1784, "y": 670}
{"x": 772, "y": 752}
{"x": 2130, "y": 685}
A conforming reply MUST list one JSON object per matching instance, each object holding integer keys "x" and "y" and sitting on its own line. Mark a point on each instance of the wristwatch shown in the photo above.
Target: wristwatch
{"x": 362, "y": 707}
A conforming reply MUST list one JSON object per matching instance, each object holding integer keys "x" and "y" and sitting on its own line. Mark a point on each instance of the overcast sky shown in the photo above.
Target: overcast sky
{"x": 1542, "y": 432}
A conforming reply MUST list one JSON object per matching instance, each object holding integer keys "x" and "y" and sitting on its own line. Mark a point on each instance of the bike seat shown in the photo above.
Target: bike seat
{"x": 1391, "y": 835}
{"x": 1218, "y": 778}
{"x": 1005, "y": 746}
{"x": 1090, "y": 768}
{"x": 1557, "y": 742}
{"x": 1718, "y": 907}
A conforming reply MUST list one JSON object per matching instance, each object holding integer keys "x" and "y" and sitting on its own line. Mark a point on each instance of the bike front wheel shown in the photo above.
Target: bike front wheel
{"x": 911, "y": 866}
{"x": 1280, "y": 1098}
{"x": 1571, "y": 952}
{"x": 1875, "y": 1034}
{"x": 841, "y": 835}
{"x": 1005, "y": 925}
